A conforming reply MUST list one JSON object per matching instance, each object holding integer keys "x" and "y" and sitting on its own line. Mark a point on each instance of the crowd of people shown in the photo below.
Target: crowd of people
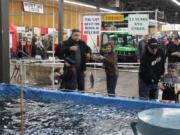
{"x": 35, "y": 47}
{"x": 76, "y": 53}
{"x": 152, "y": 55}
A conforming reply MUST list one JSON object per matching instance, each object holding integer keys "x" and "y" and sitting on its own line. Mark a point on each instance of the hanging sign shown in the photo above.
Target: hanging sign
{"x": 20, "y": 29}
{"x": 138, "y": 24}
{"x": 33, "y": 7}
{"x": 37, "y": 31}
{"x": 51, "y": 30}
{"x": 177, "y": 27}
{"x": 168, "y": 27}
{"x": 171, "y": 27}
{"x": 113, "y": 18}
{"x": 91, "y": 25}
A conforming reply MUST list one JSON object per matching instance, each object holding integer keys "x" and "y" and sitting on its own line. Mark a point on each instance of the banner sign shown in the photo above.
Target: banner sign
{"x": 91, "y": 25}
{"x": 37, "y": 31}
{"x": 138, "y": 24}
{"x": 33, "y": 7}
{"x": 20, "y": 29}
{"x": 171, "y": 27}
{"x": 113, "y": 18}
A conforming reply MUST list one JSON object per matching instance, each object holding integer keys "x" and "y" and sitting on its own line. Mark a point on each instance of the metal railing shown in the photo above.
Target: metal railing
{"x": 52, "y": 65}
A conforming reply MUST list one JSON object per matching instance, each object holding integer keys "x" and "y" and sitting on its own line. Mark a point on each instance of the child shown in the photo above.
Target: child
{"x": 111, "y": 69}
{"x": 69, "y": 77}
{"x": 168, "y": 82}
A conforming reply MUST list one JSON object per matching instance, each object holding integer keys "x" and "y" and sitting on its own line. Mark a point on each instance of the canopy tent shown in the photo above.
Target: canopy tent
{"x": 13, "y": 32}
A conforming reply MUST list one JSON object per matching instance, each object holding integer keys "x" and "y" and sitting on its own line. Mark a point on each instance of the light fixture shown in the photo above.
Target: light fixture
{"x": 80, "y": 4}
{"x": 89, "y": 6}
{"x": 108, "y": 10}
{"x": 176, "y": 2}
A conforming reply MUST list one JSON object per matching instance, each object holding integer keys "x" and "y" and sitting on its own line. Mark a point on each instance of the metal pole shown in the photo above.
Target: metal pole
{"x": 54, "y": 30}
{"x": 77, "y": 17}
{"x": 61, "y": 19}
{"x": 156, "y": 19}
{"x": 21, "y": 99}
{"x": 22, "y": 41}
{"x": 31, "y": 18}
{"x": 80, "y": 15}
{"x": 4, "y": 42}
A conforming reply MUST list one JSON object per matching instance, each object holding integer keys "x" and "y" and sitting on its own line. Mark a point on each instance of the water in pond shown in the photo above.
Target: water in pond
{"x": 65, "y": 118}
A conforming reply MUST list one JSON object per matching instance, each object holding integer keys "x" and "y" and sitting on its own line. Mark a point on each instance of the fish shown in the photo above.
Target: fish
{"x": 91, "y": 80}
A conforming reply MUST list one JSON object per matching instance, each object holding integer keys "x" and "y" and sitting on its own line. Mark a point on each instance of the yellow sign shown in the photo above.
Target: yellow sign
{"x": 113, "y": 18}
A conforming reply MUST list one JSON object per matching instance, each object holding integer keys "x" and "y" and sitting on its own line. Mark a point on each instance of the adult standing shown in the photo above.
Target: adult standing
{"x": 110, "y": 63}
{"x": 151, "y": 69}
{"x": 39, "y": 48}
{"x": 167, "y": 43}
{"x": 77, "y": 49}
{"x": 34, "y": 40}
{"x": 48, "y": 43}
{"x": 173, "y": 52}
{"x": 142, "y": 46}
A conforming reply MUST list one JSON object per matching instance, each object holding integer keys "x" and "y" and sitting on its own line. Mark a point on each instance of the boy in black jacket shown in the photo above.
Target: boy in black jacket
{"x": 151, "y": 69}
{"x": 69, "y": 77}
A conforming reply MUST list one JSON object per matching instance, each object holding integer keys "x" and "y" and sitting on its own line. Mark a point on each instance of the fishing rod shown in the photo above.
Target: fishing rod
{"x": 21, "y": 101}
{"x": 94, "y": 43}
{"x": 92, "y": 79}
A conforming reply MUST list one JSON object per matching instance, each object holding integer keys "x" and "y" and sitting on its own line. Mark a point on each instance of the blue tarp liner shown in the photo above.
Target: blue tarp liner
{"x": 13, "y": 91}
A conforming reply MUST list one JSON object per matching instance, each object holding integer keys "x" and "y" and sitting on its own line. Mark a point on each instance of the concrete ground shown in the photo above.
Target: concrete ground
{"x": 127, "y": 84}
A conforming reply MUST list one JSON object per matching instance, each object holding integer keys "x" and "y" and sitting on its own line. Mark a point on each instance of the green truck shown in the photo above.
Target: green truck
{"x": 124, "y": 45}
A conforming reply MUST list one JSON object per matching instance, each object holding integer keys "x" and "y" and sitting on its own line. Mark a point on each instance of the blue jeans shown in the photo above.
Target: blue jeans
{"x": 111, "y": 81}
{"x": 147, "y": 91}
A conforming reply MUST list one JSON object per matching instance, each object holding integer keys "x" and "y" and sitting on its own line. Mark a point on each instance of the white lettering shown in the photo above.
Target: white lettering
{"x": 158, "y": 60}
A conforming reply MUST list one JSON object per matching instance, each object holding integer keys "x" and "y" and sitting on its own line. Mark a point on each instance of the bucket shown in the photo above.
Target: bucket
{"x": 159, "y": 121}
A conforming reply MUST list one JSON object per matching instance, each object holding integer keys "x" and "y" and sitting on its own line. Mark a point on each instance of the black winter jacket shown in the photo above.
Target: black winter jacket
{"x": 171, "y": 49}
{"x": 152, "y": 67}
{"x": 66, "y": 52}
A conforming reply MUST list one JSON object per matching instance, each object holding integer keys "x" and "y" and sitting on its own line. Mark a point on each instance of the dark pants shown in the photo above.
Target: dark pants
{"x": 68, "y": 85}
{"x": 75, "y": 83}
{"x": 80, "y": 80}
{"x": 69, "y": 78}
{"x": 169, "y": 94}
{"x": 111, "y": 81}
{"x": 147, "y": 91}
